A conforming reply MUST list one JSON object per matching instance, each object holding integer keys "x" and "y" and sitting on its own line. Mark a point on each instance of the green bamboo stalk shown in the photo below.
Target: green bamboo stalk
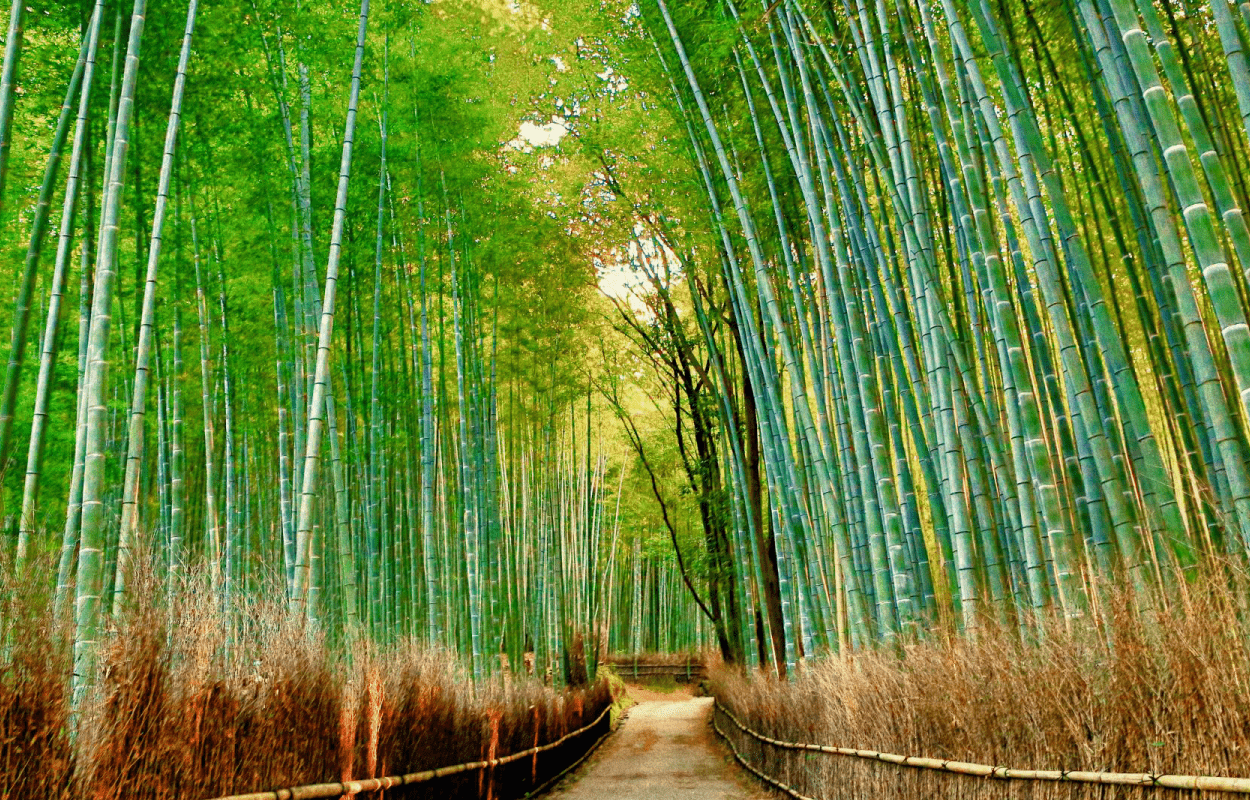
{"x": 34, "y": 458}
{"x": 147, "y": 323}
{"x": 90, "y": 584}
{"x": 304, "y": 585}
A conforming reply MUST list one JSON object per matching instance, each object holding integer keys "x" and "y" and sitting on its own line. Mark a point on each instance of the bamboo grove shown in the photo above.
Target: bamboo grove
{"x": 947, "y": 300}
{"x": 323, "y": 367}
{"x": 968, "y": 281}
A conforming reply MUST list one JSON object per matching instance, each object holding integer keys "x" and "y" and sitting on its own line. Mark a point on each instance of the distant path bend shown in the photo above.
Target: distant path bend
{"x": 664, "y": 749}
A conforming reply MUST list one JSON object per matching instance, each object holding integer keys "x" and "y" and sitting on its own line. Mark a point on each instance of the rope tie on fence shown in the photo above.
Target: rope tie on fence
{"x": 1145, "y": 779}
{"x": 317, "y": 791}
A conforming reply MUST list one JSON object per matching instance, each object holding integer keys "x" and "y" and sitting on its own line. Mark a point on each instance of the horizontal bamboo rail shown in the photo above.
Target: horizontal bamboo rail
{"x": 1146, "y": 779}
{"x": 699, "y": 668}
{"x": 686, "y": 672}
{"x": 554, "y": 779}
{"x": 790, "y": 790}
{"x": 318, "y": 791}
{"x": 679, "y": 674}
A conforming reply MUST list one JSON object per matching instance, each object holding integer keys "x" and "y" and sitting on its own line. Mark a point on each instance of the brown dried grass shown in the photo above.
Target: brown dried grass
{"x": 1164, "y": 693}
{"x": 201, "y": 713}
{"x": 36, "y": 755}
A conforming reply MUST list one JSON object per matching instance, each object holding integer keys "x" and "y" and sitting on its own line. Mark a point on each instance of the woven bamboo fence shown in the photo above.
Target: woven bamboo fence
{"x": 802, "y": 769}
{"x": 521, "y": 774}
{"x": 635, "y": 669}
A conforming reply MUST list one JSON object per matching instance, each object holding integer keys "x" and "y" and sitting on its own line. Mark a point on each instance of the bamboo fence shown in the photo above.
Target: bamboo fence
{"x": 348, "y": 788}
{"x": 1136, "y": 779}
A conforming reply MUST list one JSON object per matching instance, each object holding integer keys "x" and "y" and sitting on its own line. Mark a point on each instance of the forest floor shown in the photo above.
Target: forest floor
{"x": 665, "y": 748}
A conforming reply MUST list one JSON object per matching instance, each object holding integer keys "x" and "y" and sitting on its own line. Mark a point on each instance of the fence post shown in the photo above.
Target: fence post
{"x": 534, "y": 766}
{"x": 495, "y": 716}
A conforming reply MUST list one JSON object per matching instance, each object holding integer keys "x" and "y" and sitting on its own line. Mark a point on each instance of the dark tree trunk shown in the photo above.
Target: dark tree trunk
{"x": 765, "y": 540}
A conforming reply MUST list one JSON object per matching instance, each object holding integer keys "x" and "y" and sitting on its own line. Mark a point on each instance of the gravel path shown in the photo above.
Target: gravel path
{"x": 665, "y": 749}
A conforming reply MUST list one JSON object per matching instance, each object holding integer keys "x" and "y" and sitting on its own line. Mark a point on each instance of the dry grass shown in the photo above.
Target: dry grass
{"x": 36, "y": 756}
{"x": 220, "y": 708}
{"x": 1125, "y": 695}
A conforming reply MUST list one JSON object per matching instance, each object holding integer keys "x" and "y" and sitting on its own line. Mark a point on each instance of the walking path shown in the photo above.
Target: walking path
{"x": 665, "y": 749}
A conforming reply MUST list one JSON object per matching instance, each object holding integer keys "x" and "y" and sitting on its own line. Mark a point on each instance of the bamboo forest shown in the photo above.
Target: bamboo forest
{"x": 810, "y": 398}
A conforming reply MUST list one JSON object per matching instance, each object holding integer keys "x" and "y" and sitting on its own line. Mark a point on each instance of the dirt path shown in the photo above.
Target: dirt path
{"x": 665, "y": 749}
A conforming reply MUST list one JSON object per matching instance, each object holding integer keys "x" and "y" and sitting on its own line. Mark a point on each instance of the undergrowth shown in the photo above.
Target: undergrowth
{"x": 1162, "y": 691}
{"x": 621, "y": 701}
{"x": 193, "y": 703}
